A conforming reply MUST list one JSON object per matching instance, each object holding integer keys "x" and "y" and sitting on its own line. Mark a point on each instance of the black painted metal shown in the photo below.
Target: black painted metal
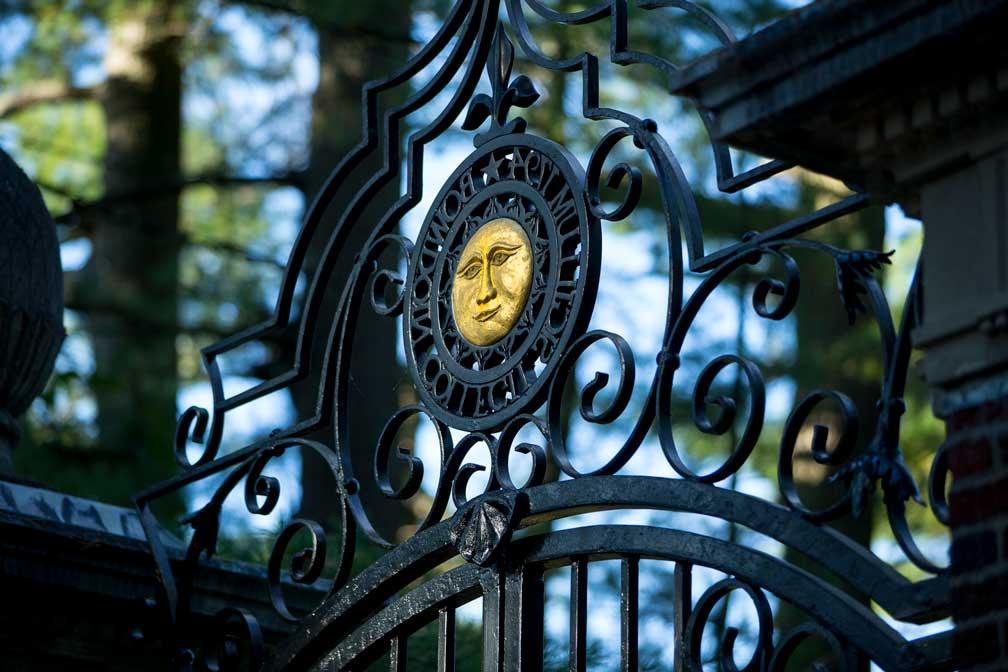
{"x": 629, "y": 612}
{"x": 491, "y": 393}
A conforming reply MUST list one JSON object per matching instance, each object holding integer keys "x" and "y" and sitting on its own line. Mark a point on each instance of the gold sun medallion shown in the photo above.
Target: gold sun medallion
{"x": 500, "y": 281}
{"x": 492, "y": 281}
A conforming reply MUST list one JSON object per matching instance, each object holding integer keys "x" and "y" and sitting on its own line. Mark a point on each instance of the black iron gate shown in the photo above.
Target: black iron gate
{"x": 495, "y": 304}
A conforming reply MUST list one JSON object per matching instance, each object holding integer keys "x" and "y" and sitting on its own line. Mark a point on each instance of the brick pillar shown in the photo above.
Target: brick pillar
{"x": 978, "y": 458}
{"x": 964, "y": 335}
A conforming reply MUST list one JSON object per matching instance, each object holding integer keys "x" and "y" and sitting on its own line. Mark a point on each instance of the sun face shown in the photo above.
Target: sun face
{"x": 500, "y": 280}
{"x": 492, "y": 281}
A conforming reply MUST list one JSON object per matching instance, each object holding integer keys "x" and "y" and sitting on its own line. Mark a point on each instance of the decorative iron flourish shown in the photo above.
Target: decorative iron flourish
{"x": 482, "y": 528}
{"x": 491, "y": 393}
{"x": 506, "y": 94}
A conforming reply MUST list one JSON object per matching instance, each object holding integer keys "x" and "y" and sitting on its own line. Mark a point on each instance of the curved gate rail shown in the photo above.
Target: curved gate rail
{"x": 495, "y": 305}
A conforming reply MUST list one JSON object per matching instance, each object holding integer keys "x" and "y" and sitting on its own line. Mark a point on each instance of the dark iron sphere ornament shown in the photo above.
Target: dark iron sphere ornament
{"x": 31, "y": 299}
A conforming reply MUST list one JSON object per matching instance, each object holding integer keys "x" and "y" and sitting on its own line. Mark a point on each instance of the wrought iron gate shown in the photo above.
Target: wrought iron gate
{"x": 495, "y": 304}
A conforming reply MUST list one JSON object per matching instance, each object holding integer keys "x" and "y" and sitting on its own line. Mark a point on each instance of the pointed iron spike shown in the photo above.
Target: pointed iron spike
{"x": 493, "y": 60}
{"x": 506, "y": 55}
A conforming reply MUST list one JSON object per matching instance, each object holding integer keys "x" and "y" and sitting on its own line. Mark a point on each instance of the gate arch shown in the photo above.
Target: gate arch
{"x": 353, "y": 627}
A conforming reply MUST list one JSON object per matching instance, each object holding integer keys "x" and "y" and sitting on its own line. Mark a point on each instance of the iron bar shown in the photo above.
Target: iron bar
{"x": 524, "y": 619}
{"x": 397, "y": 654}
{"x": 579, "y": 615}
{"x": 682, "y": 589}
{"x": 446, "y": 639}
{"x": 629, "y": 613}
{"x": 492, "y": 583}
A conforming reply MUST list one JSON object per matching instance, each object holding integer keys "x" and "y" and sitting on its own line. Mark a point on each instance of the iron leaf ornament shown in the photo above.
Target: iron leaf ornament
{"x": 482, "y": 528}
{"x": 864, "y": 472}
{"x": 852, "y": 268}
{"x": 205, "y": 523}
{"x": 881, "y": 463}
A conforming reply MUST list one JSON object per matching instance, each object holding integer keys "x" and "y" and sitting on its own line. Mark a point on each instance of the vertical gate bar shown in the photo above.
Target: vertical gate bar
{"x": 397, "y": 654}
{"x": 523, "y": 619}
{"x": 446, "y": 639}
{"x": 579, "y": 615}
{"x": 513, "y": 630}
{"x": 683, "y": 592}
{"x": 629, "y": 597}
{"x": 533, "y": 614}
{"x": 492, "y": 583}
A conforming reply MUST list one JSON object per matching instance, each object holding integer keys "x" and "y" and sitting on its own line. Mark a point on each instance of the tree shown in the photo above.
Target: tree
{"x": 131, "y": 281}
{"x": 171, "y": 201}
{"x": 357, "y": 43}
{"x": 133, "y": 276}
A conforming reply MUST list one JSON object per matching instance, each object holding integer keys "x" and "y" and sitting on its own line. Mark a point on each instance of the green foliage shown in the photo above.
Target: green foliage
{"x": 63, "y": 146}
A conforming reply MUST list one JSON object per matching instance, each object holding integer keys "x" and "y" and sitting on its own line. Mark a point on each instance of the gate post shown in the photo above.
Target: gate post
{"x": 976, "y": 443}
{"x": 965, "y": 335}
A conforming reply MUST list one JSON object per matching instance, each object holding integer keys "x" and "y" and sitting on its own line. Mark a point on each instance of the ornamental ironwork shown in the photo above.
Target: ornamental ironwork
{"x": 502, "y": 278}
{"x": 495, "y": 303}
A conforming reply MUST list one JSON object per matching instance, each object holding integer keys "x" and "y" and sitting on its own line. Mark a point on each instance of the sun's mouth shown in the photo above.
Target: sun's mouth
{"x": 485, "y": 315}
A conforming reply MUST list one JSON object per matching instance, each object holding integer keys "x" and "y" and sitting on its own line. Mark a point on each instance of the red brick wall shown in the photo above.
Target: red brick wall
{"x": 978, "y": 502}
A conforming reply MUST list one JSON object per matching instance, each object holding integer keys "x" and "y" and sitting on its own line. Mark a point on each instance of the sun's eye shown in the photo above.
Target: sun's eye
{"x": 470, "y": 271}
{"x": 500, "y": 256}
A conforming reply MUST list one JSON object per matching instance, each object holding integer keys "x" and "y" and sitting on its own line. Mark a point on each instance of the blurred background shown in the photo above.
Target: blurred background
{"x": 178, "y": 143}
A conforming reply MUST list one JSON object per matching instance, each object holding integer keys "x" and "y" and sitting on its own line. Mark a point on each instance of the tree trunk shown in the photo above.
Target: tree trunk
{"x": 133, "y": 272}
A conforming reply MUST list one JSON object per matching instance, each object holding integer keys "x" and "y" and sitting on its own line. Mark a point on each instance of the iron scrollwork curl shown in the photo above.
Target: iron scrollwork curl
{"x": 848, "y": 431}
{"x": 766, "y": 655}
{"x": 192, "y": 426}
{"x": 785, "y": 290}
{"x": 790, "y": 642}
{"x": 234, "y": 630}
{"x": 669, "y": 361}
{"x": 306, "y": 564}
{"x": 385, "y": 281}
{"x": 699, "y": 618}
{"x": 621, "y": 398}
{"x": 539, "y": 454}
{"x": 621, "y": 172}
{"x": 725, "y": 418}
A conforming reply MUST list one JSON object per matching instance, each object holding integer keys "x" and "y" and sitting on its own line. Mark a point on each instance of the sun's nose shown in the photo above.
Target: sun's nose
{"x": 487, "y": 291}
